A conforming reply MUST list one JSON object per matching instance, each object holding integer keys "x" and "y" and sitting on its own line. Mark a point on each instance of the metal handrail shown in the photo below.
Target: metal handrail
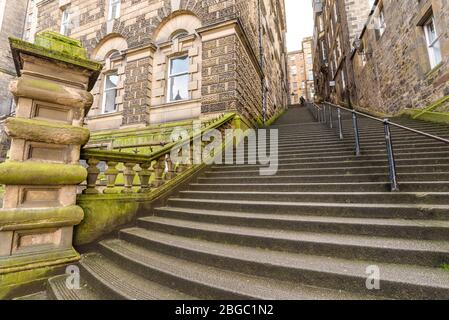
{"x": 317, "y": 111}
{"x": 387, "y": 130}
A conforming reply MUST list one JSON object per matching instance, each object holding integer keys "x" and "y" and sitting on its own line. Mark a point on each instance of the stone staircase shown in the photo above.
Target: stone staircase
{"x": 309, "y": 232}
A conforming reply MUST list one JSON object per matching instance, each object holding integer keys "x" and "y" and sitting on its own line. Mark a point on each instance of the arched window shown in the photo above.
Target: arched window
{"x": 179, "y": 34}
{"x": 110, "y": 86}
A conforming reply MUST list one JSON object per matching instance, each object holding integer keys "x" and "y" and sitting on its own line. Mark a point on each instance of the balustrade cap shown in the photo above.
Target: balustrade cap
{"x": 56, "y": 47}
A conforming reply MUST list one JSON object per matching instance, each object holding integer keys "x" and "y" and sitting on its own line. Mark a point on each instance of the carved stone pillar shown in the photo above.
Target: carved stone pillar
{"x": 41, "y": 177}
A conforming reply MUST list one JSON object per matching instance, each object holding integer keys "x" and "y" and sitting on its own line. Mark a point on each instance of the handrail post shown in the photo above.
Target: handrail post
{"x": 340, "y": 124}
{"x": 355, "y": 126}
{"x": 391, "y": 159}
{"x": 324, "y": 114}
{"x": 331, "y": 120}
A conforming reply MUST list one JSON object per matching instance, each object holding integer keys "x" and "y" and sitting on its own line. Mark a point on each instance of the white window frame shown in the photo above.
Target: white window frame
{"x": 66, "y": 22}
{"x": 2, "y": 12}
{"x": 431, "y": 44}
{"x": 172, "y": 76}
{"x": 381, "y": 21}
{"x": 113, "y": 3}
{"x": 105, "y": 90}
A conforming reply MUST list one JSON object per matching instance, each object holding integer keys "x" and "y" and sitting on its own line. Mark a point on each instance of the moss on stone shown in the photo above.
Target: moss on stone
{"x": 103, "y": 216}
{"x": 21, "y": 218}
{"x": 17, "y": 272}
{"x": 45, "y": 131}
{"x": 35, "y": 173}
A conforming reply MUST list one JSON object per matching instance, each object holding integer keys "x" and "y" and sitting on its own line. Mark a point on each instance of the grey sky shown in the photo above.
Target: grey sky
{"x": 299, "y": 22}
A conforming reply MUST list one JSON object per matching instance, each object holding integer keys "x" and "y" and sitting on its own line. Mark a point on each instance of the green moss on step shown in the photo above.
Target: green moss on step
{"x": 34, "y": 173}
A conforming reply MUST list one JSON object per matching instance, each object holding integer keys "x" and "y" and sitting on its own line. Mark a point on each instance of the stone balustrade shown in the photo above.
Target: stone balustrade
{"x": 127, "y": 173}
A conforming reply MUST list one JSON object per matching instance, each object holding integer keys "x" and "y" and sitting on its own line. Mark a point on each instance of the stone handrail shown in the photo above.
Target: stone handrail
{"x": 143, "y": 173}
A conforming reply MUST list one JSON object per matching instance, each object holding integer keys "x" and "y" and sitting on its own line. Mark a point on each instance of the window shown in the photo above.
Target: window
{"x": 381, "y": 19}
{"x": 294, "y": 70}
{"x": 179, "y": 34}
{"x": 2, "y": 11}
{"x": 178, "y": 79}
{"x": 433, "y": 42}
{"x": 110, "y": 93}
{"x": 114, "y": 9}
{"x": 66, "y": 22}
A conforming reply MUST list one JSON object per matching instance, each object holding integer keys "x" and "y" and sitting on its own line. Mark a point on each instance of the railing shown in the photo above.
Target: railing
{"x": 142, "y": 173}
{"x": 328, "y": 111}
{"x": 316, "y": 111}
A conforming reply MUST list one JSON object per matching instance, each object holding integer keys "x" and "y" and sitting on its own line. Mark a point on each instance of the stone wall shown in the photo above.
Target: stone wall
{"x": 342, "y": 21}
{"x": 140, "y": 23}
{"x": 397, "y": 74}
{"x": 12, "y": 25}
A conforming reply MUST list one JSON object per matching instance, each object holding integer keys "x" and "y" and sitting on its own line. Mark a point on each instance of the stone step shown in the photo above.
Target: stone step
{"x": 57, "y": 289}
{"x": 424, "y": 186}
{"x": 330, "y": 170}
{"x": 330, "y": 178}
{"x": 208, "y": 282}
{"x": 398, "y": 228}
{"x": 350, "y": 156}
{"x": 430, "y": 146}
{"x": 397, "y": 281}
{"x": 116, "y": 282}
{"x": 292, "y": 164}
{"x": 355, "y": 210}
{"x": 350, "y": 141}
{"x": 324, "y": 197}
{"x": 408, "y": 153}
{"x": 391, "y": 250}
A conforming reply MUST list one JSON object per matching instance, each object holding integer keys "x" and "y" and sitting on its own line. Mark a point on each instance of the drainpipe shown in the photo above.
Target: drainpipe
{"x": 261, "y": 54}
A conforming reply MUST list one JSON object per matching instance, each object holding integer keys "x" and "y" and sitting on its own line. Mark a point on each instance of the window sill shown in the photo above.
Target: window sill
{"x": 105, "y": 115}
{"x": 433, "y": 70}
{"x": 176, "y": 103}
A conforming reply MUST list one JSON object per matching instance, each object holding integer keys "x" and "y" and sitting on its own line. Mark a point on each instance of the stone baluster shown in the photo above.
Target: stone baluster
{"x": 159, "y": 169}
{"x": 111, "y": 175}
{"x": 92, "y": 176}
{"x": 144, "y": 176}
{"x": 129, "y": 175}
{"x": 171, "y": 173}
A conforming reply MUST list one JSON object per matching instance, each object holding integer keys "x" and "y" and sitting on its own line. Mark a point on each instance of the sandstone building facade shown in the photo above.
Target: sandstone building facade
{"x": 402, "y": 57}
{"x": 170, "y": 60}
{"x": 12, "y": 19}
{"x": 297, "y": 76}
{"x": 337, "y": 24}
{"x": 307, "y": 45}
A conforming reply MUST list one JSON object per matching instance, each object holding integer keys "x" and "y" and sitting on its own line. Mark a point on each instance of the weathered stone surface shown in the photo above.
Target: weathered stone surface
{"x": 50, "y": 91}
{"x": 44, "y": 131}
{"x": 35, "y": 173}
{"x": 27, "y": 218}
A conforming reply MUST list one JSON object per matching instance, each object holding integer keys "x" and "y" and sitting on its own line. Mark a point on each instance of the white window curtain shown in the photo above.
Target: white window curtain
{"x": 433, "y": 42}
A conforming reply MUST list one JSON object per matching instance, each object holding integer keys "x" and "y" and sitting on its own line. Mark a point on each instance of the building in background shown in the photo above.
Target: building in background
{"x": 297, "y": 76}
{"x": 402, "y": 57}
{"x": 175, "y": 60}
{"x": 337, "y": 24}
{"x": 12, "y": 20}
{"x": 307, "y": 44}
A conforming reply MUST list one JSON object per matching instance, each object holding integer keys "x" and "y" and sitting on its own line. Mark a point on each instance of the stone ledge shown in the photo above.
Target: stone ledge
{"x": 30, "y": 218}
{"x": 49, "y": 91}
{"x": 32, "y": 173}
{"x": 44, "y": 131}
